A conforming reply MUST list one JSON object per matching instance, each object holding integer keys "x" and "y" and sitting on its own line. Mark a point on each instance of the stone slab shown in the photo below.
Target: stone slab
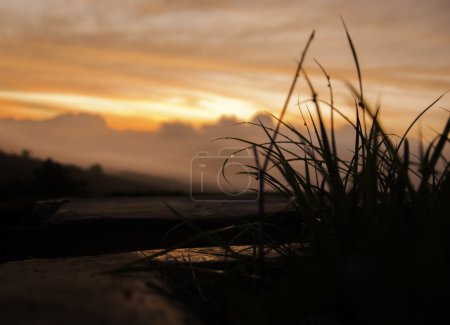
{"x": 76, "y": 227}
{"x": 153, "y": 208}
{"x": 75, "y": 291}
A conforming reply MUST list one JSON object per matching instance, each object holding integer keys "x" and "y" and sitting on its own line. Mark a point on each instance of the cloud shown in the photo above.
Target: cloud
{"x": 85, "y": 139}
{"x": 189, "y": 52}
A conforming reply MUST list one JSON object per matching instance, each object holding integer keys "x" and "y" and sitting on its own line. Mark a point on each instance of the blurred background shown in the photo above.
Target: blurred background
{"x": 128, "y": 92}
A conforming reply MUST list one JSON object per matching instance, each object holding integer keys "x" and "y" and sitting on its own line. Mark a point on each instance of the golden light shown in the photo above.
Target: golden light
{"x": 140, "y": 114}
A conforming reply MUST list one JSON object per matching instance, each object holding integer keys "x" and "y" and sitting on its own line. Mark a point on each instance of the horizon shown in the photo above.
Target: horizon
{"x": 147, "y": 86}
{"x": 166, "y": 153}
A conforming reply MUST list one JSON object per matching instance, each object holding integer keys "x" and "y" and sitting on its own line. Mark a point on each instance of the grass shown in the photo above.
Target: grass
{"x": 374, "y": 243}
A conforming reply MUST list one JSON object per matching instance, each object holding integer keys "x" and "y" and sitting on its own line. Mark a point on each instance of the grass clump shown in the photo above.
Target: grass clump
{"x": 376, "y": 226}
{"x": 374, "y": 243}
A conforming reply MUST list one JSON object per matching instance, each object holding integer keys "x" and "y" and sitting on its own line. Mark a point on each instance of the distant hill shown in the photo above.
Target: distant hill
{"x": 25, "y": 176}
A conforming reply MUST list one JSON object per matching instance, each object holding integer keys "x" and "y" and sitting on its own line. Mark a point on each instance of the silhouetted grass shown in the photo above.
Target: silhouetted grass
{"x": 374, "y": 244}
{"x": 376, "y": 226}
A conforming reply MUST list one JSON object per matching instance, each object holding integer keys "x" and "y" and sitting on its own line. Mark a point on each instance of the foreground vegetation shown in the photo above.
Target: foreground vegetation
{"x": 374, "y": 243}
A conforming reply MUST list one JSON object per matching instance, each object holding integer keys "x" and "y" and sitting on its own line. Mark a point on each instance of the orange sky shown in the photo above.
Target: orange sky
{"x": 142, "y": 63}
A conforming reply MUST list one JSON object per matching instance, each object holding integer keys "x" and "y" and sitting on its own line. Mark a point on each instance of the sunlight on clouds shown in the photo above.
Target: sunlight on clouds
{"x": 209, "y": 109}
{"x": 225, "y": 106}
{"x": 19, "y": 110}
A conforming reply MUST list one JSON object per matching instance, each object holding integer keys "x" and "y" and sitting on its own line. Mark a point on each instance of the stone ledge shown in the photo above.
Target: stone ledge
{"x": 99, "y": 226}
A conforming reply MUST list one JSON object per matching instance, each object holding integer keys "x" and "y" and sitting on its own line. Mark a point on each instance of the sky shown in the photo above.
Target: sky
{"x": 145, "y": 85}
{"x": 142, "y": 64}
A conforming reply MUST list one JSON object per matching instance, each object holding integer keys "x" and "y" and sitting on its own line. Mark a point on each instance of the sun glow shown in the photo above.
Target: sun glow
{"x": 139, "y": 113}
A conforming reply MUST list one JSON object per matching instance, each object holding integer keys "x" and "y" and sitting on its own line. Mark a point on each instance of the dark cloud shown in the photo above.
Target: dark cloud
{"x": 85, "y": 139}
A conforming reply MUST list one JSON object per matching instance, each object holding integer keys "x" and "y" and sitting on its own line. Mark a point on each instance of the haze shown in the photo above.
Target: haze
{"x": 161, "y": 67}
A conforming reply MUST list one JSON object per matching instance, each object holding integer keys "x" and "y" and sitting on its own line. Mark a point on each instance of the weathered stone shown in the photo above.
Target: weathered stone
{"x": 98, "y": 226}
{"x": 75, "y": 291}
{"x": 151, "y": 208}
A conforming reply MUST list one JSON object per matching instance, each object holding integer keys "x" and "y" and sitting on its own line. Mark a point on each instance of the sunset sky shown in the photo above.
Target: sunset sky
{"x": 140, "y": 64}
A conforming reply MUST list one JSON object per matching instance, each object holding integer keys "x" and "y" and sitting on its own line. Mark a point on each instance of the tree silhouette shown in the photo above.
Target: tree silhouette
{"x": 52, "y": 178}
